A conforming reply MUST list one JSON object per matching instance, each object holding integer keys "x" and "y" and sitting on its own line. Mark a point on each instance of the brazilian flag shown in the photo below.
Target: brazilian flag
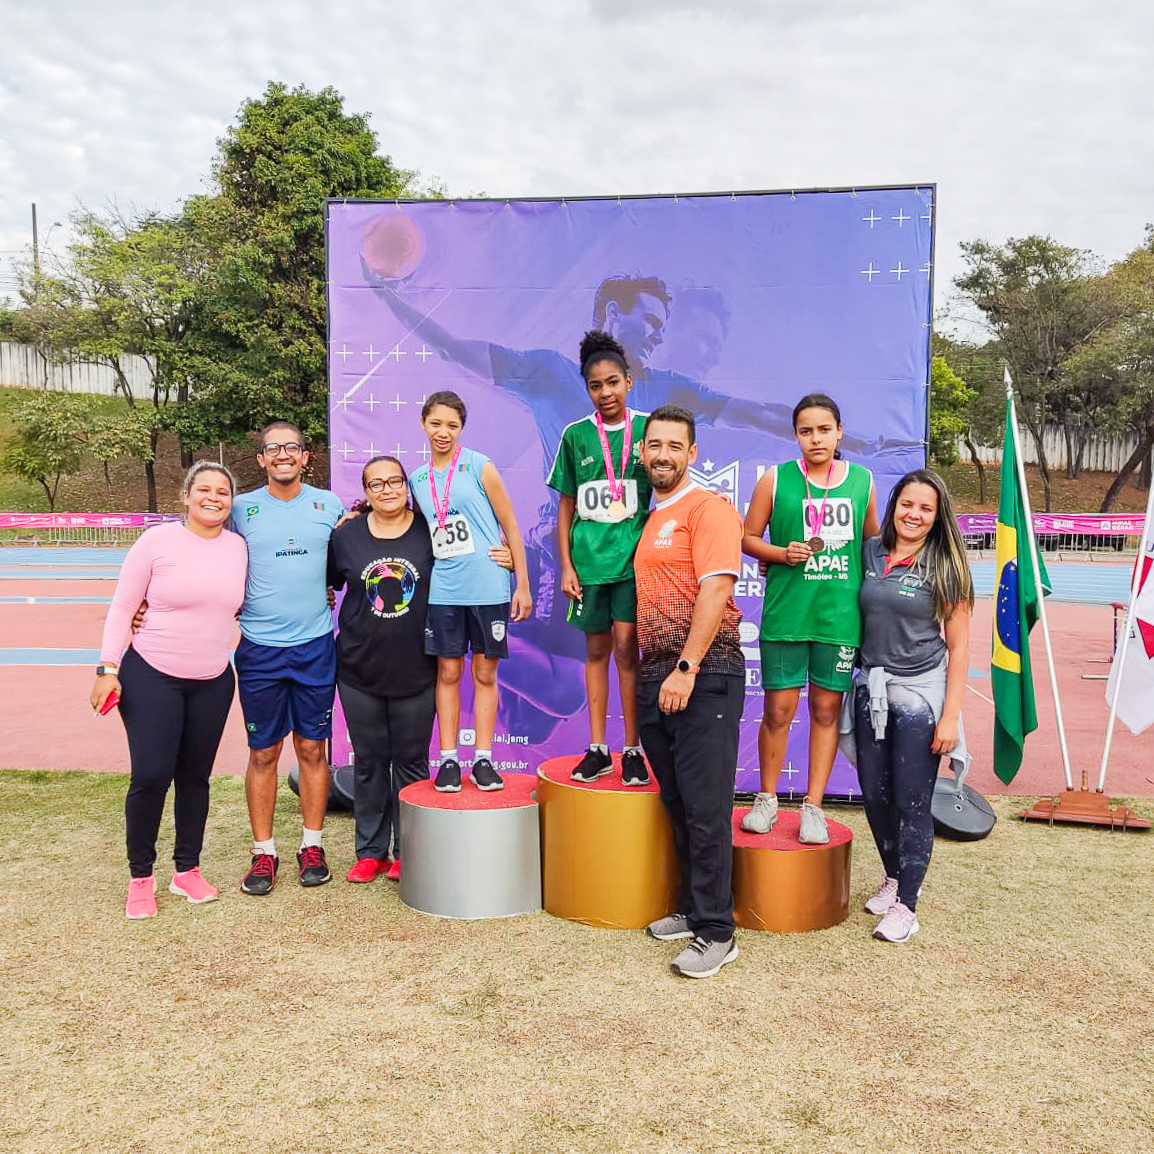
{"x": 1015, "y": 610}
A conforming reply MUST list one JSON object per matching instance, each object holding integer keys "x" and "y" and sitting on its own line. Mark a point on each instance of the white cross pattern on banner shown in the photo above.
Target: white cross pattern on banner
{"x": 370, "y": 352}
{"x": 345, "y": 451}
{"x": 398, "y": 451}
{"x": 900, "y": 271}
{"x": 372, "y": 402}
{"x": 344, "y": 352}
{"x": 901, "y": 217}
{"x": 424, "y": 353}
{"x": 926, "y": 268}
{"x": 396, "y": 402}
{"x": 790, "y": 772}
{"x": 871, "y": 272}
{"x": 396, "y": 352}
{"x": 371, "y": 451}
{"x": 425, "y": 452}
{"x": 343, "y": 403}
{"x": 872, "y": 219}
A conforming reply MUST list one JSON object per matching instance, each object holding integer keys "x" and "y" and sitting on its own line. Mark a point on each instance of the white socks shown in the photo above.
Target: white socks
{"x": 312, "y": 837}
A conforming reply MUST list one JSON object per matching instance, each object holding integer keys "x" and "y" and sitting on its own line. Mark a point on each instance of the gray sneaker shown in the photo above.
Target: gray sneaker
{"x": 761, "y": 818}
{"x": 702, "y": 959}
{"x": 811, "y": 828}
{"x": 670, "y": 928}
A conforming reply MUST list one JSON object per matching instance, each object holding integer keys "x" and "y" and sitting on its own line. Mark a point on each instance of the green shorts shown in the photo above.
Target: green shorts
{"x": 601, "y": 605}
{"x": 790, "y": 664}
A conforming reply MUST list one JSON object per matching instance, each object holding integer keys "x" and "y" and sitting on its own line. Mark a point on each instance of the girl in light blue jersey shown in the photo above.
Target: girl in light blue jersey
{"x": 469, "y": 512}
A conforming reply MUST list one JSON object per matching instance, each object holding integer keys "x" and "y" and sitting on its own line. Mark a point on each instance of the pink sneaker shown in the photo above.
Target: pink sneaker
{"x": 141, "y": 900}
{"x": 191, "y": 885}
{"x": 884, "y": 897}
{"x": 898, "y": 925}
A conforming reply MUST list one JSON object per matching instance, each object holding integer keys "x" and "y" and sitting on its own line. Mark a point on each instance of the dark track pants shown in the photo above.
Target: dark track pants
{"x": 694, "y": 757}
{"x": 174, "y": 726}
{"x": 897, "y": 776}
{"x": 390, "y": 737}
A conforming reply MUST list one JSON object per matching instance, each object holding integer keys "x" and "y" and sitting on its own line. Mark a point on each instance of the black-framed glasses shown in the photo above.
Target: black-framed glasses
{"x": 292, "y": 448}
{"x": 380, "y": 484}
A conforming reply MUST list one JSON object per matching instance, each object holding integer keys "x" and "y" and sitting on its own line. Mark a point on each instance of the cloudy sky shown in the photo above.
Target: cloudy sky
{"x": 1030, "y": 115}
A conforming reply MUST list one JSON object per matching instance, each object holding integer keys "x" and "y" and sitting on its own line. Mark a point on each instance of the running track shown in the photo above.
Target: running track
{"x": 53, "y": 602}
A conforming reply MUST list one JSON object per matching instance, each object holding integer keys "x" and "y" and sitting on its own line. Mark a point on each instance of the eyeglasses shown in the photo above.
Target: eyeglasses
{"x": 292, "y": 448}
{"x": 380, "y": 484}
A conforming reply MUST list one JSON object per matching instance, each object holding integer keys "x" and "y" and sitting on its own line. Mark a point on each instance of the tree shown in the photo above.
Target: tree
{"x": 949, "y": 399}
{"x": 264, "y": 326}
{"x": 127, "y": 287}
{"x": 56, "y": 434}
{"x": 1041, "y": 301}
{"x": 1120, "y": 360}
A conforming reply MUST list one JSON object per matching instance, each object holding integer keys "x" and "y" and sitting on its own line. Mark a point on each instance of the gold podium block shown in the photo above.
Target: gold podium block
{"x": 781, "y": 885}
{"x": 606, "y": 849}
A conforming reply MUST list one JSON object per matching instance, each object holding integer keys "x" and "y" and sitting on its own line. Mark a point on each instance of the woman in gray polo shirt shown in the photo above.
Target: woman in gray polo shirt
{"x": 916, "y": 598}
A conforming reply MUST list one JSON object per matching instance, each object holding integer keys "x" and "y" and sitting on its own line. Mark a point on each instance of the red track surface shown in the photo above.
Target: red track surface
{"x": 46, "y": 722}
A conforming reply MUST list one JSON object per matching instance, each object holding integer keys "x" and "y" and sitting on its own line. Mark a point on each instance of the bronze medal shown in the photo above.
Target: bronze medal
{"x": 816, "y": 544}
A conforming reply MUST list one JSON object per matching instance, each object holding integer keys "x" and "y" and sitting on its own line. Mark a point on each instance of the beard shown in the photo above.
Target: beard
{"x": 663, "y": 482}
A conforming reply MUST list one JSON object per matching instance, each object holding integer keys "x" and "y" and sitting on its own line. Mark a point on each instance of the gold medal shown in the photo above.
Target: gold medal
{"x": 816, "y": 544}
{"x": 617, "y": 509}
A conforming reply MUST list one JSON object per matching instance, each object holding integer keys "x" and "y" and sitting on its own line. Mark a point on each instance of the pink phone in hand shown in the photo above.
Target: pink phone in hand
{"x": 110, "y": 703}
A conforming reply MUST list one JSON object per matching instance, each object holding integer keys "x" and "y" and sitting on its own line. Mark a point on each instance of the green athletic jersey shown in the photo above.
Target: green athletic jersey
{"x": 602, "y": 548}
{"x": 817, "y": 601}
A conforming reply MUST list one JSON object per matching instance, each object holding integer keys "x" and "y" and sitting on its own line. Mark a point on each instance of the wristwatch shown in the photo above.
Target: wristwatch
{"x": 103, "y": 670}
{"x": 683, "y": 666}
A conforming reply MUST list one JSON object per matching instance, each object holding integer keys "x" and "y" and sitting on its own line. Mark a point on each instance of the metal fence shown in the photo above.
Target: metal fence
{"x": 23, "y": 367}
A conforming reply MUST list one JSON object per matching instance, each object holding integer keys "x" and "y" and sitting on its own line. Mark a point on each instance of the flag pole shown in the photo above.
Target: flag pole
{"x": 1135, "y": 581}
{"x": 1037, "y": 578}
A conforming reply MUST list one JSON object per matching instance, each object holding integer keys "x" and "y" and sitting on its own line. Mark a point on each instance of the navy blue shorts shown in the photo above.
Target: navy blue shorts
{"x": 287, "y": 689}
{"x": 450, "y": 630}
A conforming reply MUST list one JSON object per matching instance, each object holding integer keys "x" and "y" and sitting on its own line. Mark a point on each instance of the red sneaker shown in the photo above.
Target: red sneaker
{"x": 366, "y": 869}
{"x": 393, "y": 873}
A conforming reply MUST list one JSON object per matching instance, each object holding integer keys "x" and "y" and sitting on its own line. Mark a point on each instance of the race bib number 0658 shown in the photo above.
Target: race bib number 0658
{"x": 454, "y": 540}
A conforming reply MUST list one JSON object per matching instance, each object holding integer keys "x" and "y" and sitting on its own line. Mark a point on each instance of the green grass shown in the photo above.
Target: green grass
{"x": 338, "y": 1020}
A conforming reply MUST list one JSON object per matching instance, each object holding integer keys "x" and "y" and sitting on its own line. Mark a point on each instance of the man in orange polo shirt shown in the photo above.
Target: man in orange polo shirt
{"x": 691, "y": 683}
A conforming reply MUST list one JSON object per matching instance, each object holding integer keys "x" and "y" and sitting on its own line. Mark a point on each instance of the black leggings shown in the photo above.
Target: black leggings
{"x": 174, "y": 725}
{"x": 897, "y": 776}
{"x": 390, "y": 738}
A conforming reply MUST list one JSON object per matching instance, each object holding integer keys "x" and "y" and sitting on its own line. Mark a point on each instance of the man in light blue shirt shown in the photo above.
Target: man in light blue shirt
{"x": 286, "y": 661}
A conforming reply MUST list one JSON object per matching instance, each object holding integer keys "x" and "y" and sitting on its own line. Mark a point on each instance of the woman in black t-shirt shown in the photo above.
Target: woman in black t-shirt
{"x": 385, "y": 680}
{"x": 916, "y": 598}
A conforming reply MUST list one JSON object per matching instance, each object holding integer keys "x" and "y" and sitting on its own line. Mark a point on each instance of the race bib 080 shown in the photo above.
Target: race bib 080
{"x": 595, "y": 502}
{"x": 454, "y": 540}
{"x": 833, "y": 524}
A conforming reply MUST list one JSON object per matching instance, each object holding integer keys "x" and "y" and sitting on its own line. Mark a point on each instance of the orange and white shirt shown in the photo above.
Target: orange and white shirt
{"x": 692, "y": 535}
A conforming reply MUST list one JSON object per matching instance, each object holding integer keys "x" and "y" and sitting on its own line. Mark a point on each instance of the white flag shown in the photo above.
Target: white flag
{"x": 1136, "y": 693}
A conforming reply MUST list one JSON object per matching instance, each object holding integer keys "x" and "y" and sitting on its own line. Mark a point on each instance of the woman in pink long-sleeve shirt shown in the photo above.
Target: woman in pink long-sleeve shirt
{"x": 175, "y": 682}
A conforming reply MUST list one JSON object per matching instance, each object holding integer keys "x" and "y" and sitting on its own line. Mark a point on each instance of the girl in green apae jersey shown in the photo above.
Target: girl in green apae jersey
{"x": 602, "y": 509}
{"x": 819, "y": 510}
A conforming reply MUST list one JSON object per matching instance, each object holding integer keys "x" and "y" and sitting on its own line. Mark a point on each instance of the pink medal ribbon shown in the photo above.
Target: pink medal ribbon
{"x": 616, "y": 486}
{"x": 815, "y": 542}
{"x": 442, "y": 509}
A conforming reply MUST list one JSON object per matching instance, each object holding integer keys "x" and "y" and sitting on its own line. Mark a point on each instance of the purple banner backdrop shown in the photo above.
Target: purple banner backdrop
{"x": 732, "y": 305}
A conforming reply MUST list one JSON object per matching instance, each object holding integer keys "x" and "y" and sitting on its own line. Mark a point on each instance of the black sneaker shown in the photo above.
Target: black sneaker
{"x": 314, "y": 870}
{"x": 593, "y": 765}
{"x": 485, "y": 776}
{"x": 448, "y": 777}
{"x": 633, "y": 768}
{"x": 261, "y": 876}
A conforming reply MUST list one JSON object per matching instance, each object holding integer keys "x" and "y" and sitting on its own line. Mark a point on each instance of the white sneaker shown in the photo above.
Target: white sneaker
{"x": 884, "y": 897}
{"x": 812, "y": 828}
{"x": 761, "y": 818}
{"x": 898, "y": 925}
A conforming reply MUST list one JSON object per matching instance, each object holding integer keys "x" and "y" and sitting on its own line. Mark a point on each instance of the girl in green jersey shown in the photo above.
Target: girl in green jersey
{"x": 819, "y": 510}
{"x": 604, "y": 500}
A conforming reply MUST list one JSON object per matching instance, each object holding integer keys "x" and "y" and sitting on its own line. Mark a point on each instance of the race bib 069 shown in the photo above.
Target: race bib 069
{"x": 595, "y": 502}
{"x": 454, "y": 540}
